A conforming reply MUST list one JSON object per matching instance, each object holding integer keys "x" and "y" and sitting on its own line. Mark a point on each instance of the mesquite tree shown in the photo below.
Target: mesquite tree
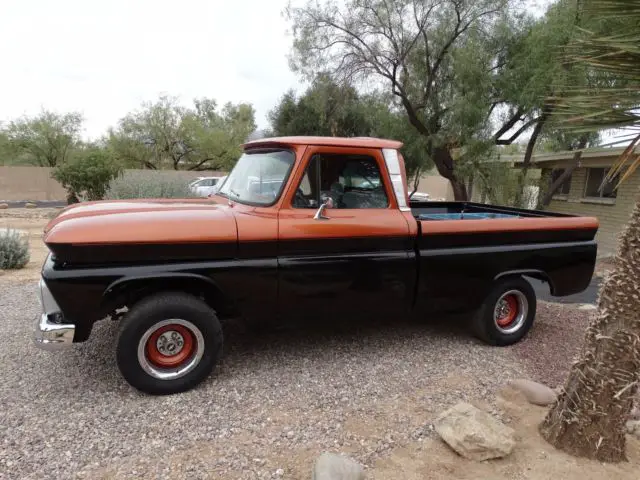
{"x": 442, "y": 59}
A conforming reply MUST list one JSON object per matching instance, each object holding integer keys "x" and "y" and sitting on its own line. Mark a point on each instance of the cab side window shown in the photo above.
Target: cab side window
{"x": 349, "y": 181}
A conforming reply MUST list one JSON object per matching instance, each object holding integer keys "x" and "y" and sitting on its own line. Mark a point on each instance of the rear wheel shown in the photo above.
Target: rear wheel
{"x": 168, "y": 343}
{"x": 507, "y": 313}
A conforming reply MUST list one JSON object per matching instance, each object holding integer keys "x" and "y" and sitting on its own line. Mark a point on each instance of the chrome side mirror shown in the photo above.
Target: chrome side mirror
{"x": 328, "y": 203}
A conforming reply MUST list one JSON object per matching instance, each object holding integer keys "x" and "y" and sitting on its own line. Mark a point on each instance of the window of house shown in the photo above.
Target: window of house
{"x": 347, "y": 181}
{"x": 566, "y": 185}
{"x": 597, "y": 186}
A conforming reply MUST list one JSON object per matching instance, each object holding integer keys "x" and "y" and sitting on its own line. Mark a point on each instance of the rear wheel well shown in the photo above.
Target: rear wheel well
{"x": 529, "y": 274}
{"x": 128, "y": 293}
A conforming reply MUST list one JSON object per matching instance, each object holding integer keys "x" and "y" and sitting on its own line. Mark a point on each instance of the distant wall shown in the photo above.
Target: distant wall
{"x": 436, "y": 186}
{"x": 20, "y": 183}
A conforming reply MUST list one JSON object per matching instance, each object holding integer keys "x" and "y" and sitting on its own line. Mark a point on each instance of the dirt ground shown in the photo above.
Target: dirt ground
{"x": 533, "y": 458}
{"x": 33, "y": 222}
{"x": 426, "y": 456}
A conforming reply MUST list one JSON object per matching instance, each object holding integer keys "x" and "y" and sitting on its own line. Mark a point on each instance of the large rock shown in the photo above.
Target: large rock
{"x": 30, "y": 205}
{"x": 4, "y": 206}
{"x": 331, "y": 466}
{"x": 536, "y": 393}
{"x": 475, "y": 434}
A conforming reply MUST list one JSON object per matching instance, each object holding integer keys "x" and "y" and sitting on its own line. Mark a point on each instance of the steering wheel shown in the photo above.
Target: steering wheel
{"x": 300, "y": 199}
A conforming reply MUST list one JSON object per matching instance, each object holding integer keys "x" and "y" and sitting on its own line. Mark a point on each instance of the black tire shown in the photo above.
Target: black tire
{"x": 484, "y": 324}
{"x": 200, "y": 322}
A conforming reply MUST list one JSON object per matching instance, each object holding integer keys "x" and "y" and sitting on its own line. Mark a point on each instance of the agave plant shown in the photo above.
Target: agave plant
{"x": 589, "y": 416}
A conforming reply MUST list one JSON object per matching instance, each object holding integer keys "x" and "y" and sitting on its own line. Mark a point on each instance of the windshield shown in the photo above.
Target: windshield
{"x": 258, "y": 177}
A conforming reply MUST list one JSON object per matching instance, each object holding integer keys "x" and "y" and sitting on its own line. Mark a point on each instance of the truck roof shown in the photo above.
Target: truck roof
{"x": 364, "y": 142}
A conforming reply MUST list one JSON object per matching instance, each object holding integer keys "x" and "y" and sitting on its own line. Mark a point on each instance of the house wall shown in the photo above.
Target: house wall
{"x": 612, "y": 215}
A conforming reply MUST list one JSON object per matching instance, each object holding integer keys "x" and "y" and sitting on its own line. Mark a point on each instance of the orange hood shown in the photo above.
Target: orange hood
{"x": 142, "y": 222}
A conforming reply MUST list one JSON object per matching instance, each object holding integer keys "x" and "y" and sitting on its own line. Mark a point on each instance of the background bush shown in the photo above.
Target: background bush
{"x": 14, "y": 249}
{"x": 87, "y": 174}
{"x": 148, "y": 184}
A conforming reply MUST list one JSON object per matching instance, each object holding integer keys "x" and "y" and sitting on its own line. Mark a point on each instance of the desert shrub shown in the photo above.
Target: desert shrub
{"x": 14, "y": 249}
{"x": 87, "y": 174}
{"x": 148, "y": 184}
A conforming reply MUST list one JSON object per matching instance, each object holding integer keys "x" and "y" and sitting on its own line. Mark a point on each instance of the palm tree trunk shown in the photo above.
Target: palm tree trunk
{"x": 588, "y": 419}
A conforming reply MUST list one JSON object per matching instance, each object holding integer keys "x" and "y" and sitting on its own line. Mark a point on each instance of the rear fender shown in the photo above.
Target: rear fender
{"x": 537, "y": 274}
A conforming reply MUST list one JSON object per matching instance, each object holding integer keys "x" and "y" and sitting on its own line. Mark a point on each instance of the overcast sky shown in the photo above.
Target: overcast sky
{"x": 103, "y": 58}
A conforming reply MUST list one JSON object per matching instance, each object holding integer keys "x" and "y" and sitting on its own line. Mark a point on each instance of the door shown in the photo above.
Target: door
{"x": 358, "y": 260}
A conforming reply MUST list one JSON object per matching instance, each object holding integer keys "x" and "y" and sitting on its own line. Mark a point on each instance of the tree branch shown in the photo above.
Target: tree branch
{"x": 519, "y": 132}
{"x": 508, "y": 125}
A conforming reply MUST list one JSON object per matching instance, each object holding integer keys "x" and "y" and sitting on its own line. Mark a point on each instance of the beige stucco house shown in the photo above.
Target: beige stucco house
{"x": 582, "y": 194}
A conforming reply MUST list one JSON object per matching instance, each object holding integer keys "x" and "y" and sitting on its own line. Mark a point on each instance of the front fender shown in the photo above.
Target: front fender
{"x": 129, "y": 289}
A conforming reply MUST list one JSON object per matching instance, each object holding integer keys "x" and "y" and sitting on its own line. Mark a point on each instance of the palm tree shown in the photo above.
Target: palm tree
{"x": 589, "y": 417}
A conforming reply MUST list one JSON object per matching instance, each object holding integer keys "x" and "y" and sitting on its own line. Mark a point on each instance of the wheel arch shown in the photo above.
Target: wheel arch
{"x": 537, "y": 274}
{"x": 128, "y": 290}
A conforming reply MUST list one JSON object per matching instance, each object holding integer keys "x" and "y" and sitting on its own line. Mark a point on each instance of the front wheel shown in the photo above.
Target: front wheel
{"x": 168, "y": 343}
{"x": 507, "y": 313}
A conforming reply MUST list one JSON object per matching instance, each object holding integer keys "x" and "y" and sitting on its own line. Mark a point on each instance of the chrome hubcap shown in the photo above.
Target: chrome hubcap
{"x": 508, "y": 302}
{"x": 170, "y": 343}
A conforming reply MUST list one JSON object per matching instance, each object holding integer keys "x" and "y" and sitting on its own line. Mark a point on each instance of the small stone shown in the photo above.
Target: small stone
{"x": 536, "y": 393}
{"x": 30, "y": 205}
{"x": 587, "y": 306}
{"x": 290, "y": 434}
{"x": 474, "y": 434}
{"x": 633, "y": 427}
{"x": 331, "y": 466}
{"x": 4, "y": 206}
{"x": 279, "y": 472}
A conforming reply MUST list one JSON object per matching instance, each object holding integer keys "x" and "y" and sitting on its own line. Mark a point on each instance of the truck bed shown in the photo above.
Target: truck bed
{"x": 473, "y": 211}
{"x": 465, "y": 246}
{"x": 471, "y": 224}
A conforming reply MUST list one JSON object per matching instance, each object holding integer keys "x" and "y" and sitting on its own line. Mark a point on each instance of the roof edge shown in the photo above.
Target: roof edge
{"x": 354, "y": 142}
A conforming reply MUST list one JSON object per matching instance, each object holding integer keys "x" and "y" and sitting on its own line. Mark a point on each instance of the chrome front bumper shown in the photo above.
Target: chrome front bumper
{"x": 51, "y": 334}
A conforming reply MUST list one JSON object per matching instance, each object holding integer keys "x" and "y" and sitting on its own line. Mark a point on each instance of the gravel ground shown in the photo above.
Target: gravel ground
{"x": 276, "y": 402}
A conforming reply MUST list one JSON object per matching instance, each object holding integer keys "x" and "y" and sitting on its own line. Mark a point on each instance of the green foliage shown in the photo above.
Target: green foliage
{"x": 446, "y": 62}
{"x": 500, "y": 184}
{"x": 164, "y": 134}
{"x": 558, "y": 140}
{"x": 14, "y": 249}
{"x": 46, "y": 139}
{"x": 148, "y": 184}
{"x": 87, "y": 173}
{"x": 328, "y": 108}
{"x": 325, "y": 109}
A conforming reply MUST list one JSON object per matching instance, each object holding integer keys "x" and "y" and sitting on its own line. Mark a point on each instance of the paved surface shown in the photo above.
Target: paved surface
{"x": 590, "y": 295}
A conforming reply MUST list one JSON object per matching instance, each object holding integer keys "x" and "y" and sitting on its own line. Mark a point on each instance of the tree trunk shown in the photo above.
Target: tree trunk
{"x": 526, "y": 161}
{"x": 459, "y": 190}
{"x": 588, "y": 419}
{"x": 444, "y": 163}
{"x": 546, "y": 200}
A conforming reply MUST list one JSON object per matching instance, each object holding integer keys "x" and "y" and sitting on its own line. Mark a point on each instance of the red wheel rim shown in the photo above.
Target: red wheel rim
{"x": 167, "y": 339}
{"x": 508, "y": 311}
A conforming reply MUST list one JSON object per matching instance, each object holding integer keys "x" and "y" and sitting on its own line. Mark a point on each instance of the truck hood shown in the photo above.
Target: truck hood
{"x": 140, "y": 223}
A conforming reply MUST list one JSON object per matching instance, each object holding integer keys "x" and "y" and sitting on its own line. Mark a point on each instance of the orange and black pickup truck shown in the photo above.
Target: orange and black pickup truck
{"x": 303, "y": 228}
